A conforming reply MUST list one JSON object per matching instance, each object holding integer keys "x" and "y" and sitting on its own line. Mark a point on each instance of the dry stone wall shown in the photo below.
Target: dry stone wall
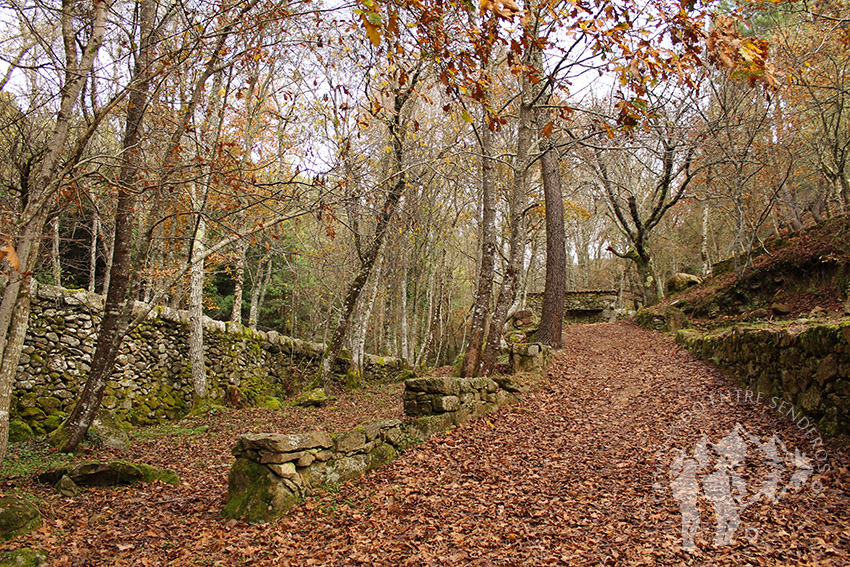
{"x": 805, "y": 366}
{"x": 152, "y": 379}
{"x": 272, "y": 472}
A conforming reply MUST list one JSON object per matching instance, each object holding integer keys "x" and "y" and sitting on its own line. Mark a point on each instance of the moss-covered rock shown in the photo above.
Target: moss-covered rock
{"x": 271, "y": 403}
{"x": 53, "y": 422}
{"x": 381, "y": 455}
{"x": 312, "y": 398}
{"x": 18, "y": 516}
{"x": 24, "y": 557}
{"x": 19, "y": 431}
{"x": 110, "y": 473}
{"x": 255, "y": 494}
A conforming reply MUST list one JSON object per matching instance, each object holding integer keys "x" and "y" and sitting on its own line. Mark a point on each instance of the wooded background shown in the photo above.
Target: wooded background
{"x": 394, "y": 177}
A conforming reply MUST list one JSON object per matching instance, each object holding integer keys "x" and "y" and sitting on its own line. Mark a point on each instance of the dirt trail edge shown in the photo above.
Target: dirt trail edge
{"x": 629, "y": 453}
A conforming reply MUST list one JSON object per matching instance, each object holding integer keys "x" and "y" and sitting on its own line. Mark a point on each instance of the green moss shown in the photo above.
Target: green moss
{"x": 31, "y": 414}
{"x": 24, "y": 557}
{"x": 152, "y": 474}
{"x": 18, "y": 516}
{"x": 255, "y": 494}
{"x": 271, "y": 403}
{"x": 54, "y": 421}
{"x": 49, "y": 404}
{"x": 381, "y": 455}
{"x": 19, "y": 431}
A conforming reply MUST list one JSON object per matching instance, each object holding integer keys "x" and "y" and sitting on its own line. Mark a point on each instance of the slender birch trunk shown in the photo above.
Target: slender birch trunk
{"x": 484, "y": 287}
{"x": 358, "y": 331}
{"x": 239, "y": 282}
{"x": 55, "y": 261}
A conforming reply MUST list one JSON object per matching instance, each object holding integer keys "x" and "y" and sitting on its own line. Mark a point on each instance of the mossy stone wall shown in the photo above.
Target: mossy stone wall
{"x": 152, "y": 380}
{"x": 273, "y": 471}
{"x": 807, "y": 366}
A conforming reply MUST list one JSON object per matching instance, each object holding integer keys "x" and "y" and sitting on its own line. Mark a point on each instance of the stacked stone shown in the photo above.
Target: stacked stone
{"x": 273, "y": 471}
{"x": 152, "y": 380}
{"x": 461, "y": 398}
{"x": 806, "y": 367}
{"x": 529, "y": 357}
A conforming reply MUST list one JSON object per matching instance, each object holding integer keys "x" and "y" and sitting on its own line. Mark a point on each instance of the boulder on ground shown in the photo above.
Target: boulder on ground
{"x": 67, "y": 487}
{"x": 256, "y": 494}
{"x": 106, "y": 430}
{"x": 781, "y": 309}
{"x": 110, "y": 473}
{"x": 312, "y": 398}
{"x": 18, "y": 516}
{"x": 19, "y": 431}
{"x": 681, "y": 282}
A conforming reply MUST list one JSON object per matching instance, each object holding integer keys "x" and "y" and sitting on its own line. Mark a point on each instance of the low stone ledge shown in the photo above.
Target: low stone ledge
{"x": 274, "y": 471}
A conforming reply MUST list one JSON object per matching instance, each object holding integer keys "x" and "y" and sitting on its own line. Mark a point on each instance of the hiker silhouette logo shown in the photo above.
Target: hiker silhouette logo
{"x": 731, "y": 475}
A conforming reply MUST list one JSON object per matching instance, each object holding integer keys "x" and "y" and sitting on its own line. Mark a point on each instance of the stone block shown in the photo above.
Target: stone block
{"x": 283, "y": 470}
{"x": 256, "y": 494}
{"x": 271, "y": 457}
{"x": 446, "y": 403}
{"x": 286, "y": 443}
{"x": 350, "y": 441}
{"x": 433, "y": 385}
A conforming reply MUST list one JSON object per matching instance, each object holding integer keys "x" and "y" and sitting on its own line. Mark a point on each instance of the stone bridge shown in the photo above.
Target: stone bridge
{"x": 582, "y": 306}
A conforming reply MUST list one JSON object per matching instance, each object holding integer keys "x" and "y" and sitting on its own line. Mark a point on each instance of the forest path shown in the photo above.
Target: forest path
{"x": 566, "y": 477}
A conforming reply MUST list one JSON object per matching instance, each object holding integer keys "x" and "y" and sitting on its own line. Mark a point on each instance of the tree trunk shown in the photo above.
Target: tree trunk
{"x": 484, "y": 288}
{"x": 552, "y": 313}
{"x": 196, "y": 314}
{"x": 239, "y": 282}
{"x": 429, "y": 317}
{"x": 95, "y": 232}
{"x": 508, "y": 288}
{"x": 706, "y": 260}
{"x": 647, "y": 279}
{"x": 55, "y": 261}
{"x": 404, "y": 329}
{"x": 108, "y": 246}
{"x": 358, "y": 332}
{"x": 397, "y": 128}
{"x": 258, "y": 291}
{"x": 14, "y": 308}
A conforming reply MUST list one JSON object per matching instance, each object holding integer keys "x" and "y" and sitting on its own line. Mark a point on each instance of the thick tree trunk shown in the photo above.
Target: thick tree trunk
{"x": 113, "y": 326}
{"x": 484, "y": 288}
{"x": 552, "y": 312}
{"x": 551, "y": 318}
{"x": 647, "y": 279}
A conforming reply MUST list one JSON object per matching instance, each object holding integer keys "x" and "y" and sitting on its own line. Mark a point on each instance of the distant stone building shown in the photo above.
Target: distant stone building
{"x": 582, "y": 306}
